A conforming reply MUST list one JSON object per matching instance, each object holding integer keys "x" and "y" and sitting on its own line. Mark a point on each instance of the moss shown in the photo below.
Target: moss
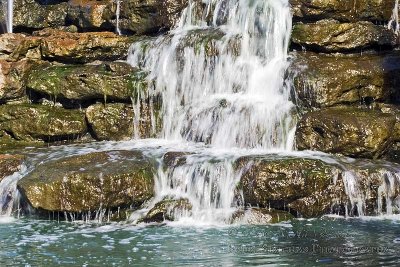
{"x": 89, "y": 182}
{"x": 36, "y": 122}
{"x": 106, "y": 81}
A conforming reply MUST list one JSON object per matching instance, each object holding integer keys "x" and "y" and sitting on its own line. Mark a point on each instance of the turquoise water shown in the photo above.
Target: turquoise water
{"x": 326, "y": 241}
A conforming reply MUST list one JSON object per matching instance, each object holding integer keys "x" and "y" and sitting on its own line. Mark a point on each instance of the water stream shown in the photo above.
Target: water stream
{"x": 394, "y": 20}
{"x": 226, "y": 90}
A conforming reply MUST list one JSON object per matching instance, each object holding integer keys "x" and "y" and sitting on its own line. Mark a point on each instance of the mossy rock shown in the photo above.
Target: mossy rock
{"x": 325, "y": 80}
{"x": 26, "y": 122}
{"x": 111, "y": 121}
{"x": 167, "y": 210}
{"x": 78, "y": 83}
{"x": 331, "y": 36}
{"x": 100, "y": 180}
{"x": 270, "y": 180}
{"x": 348, "y": 131}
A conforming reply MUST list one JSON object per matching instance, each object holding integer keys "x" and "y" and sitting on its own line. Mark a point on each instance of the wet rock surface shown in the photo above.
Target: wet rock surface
{"x": 167, "y": 210}
{"x": 342, "y": 10}
{"x": 332, "y": 36}
{"x": 325, "y": 80}
{"x": 257, "y": 216}
{"x": 277, "y": 183}
{"x": 311, "y": 187}
{"x": 41, "y": 123}
{"x": 111, "y": 121}
{"x": 348, "y": 131}
{"x": 10, "y": 164}
{"x": 89, "y": 182}
{"x": 80, "y": 83}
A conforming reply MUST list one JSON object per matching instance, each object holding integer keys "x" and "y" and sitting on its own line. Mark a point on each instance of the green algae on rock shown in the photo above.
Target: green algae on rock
{"x": 90, "y": 182}
{"x": 76, "y": 83}
{"x": 325, "y": 80}
{"x": 348, "y": 131}
{"x": 41, "y": 123}
{"x": 113, "y": 121}
{"x": 332, "y": 36}
{"x": 167, "y": 210}
{"x": 276, "y": 183}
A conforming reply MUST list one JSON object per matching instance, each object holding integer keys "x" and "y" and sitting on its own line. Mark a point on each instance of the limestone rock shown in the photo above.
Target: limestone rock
{"x": 36, "y": 122}
{"x": 327, "y": 80}
{"x": 89, "y": 182}
{"x": 332, "y": 36}
{"x": 111, "y": 122}
{"x": 348, "y": 131}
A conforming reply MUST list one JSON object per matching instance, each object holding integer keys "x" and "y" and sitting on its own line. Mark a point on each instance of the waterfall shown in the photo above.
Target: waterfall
{"x": 394, "y": 20}
{"x": 235, "y": 97}
{"x": 8, "y": 8}
{"x": 221, "y": 76}
{"x": 117, "y": 13}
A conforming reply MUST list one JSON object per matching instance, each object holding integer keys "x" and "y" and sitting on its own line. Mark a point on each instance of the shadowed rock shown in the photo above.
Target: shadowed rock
{"x": 342, "y": 10}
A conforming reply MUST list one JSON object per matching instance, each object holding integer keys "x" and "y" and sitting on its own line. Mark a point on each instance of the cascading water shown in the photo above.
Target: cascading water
{"x": 226, "y": 91}
{"x": 8, "y": 6}
{"x": 117, "y": 14}
{"x": 394, "y": 20}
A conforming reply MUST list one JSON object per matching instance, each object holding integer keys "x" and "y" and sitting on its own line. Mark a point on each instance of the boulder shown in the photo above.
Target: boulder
{"x": 40, "y": 123}
{"x": 10, "y": 164}
{"x": 311, "y": 187}
{"x": 92, "y": 14}
{"x": 31, "y": 14}
{"x": 276, "y": 183}
{"x": 17, "y": 46}
{"x": 332, "y": 36}
{"x": 79, "y": 83}
{"x": 111, "y": 121}
{"x": 167, "y": 210}
{"x": 342, "y": 10}
{"x": 65, "y": 46}
{"x": 150, "y": 16}
{"x": 100, "y": 180}
{"x": 348, "y": 131}
{"x": 324, "y": 80}
{"x": 257, "y": 216}
{"x": 83, "y": 47}
{"x": 13, "y": 78}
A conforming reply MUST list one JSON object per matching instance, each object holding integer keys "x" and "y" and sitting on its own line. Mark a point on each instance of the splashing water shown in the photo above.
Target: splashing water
{"x": 394, "y": 20}
{"x": 221, "y": 76}
{"x": 228, "y": 89}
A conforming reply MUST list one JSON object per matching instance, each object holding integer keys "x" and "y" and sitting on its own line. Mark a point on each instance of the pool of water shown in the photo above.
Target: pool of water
{"x": 327, "y": 241}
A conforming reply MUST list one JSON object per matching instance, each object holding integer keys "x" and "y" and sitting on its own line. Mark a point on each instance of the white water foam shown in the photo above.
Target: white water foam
{"x": 8, "y": 11}
{"x": 394, "y": 20}
{"x": 117, "y": 14}
{"x": 221, "y": 76}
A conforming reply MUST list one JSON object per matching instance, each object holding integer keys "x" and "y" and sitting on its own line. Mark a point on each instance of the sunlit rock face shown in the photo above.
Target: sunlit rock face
{"x": 324, "y": 80}
{"x": 90, "y": 182}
